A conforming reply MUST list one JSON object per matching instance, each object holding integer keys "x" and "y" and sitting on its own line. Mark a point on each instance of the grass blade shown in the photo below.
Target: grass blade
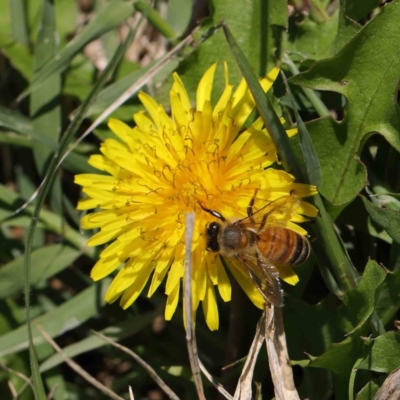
{"x": 267, "y": 112}
{"x": 115, "y": 13}
{"x": 49, "y": 179}
{"x": 310, "y": 157}
{"x": 155, "y": 19}
{"x": 19, "y": 26}
{"x": 339, "y": 262}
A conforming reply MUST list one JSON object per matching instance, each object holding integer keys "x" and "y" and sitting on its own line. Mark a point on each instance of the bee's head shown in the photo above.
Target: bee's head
{"x": 212, "y": 232}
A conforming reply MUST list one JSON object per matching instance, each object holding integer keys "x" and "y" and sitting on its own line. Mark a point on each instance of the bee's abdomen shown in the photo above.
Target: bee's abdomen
{"x": 282, "y": 246}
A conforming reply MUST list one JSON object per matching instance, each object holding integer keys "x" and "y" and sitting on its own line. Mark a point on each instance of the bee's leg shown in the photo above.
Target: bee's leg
{"x": 262, "y": 222}
{"x": 212, "y": 212}
{"x": 250, "y": 207}
{"x": 257, "y": 283}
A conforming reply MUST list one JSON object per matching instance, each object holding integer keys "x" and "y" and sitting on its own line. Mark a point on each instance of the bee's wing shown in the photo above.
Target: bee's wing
{"x": 276, "y": 212}
{"x": 265, "y": 276}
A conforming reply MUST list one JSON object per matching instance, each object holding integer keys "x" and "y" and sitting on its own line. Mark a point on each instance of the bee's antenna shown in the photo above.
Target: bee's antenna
{"x": 212, "y": 212}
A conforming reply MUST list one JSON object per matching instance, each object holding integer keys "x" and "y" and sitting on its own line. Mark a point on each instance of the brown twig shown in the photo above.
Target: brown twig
{"x": 244, "y": 387}
{"x": 131, "y": 396}
{"x": 52, "y": 392}
{"x": 73, "y": 365}
{"x": 16, "y": 373}
{"x": 286, "y": 367}
{"x": 153, "y": 374}
{"x": 187, "y": 297}
{"x": 278, "y": 359}
{"x": 390, "y": 389}
{"x": 216, "y": 384}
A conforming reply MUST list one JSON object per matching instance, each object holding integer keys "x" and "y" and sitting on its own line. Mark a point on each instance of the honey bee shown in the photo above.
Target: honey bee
{"x": 260, "y": 243}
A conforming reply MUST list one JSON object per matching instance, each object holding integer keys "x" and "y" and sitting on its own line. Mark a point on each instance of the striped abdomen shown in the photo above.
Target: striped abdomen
{"x": 283, "y": 247}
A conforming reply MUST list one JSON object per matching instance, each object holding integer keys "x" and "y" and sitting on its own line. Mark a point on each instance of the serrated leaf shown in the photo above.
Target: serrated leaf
{"x": 354, "y": 315}
{"x": 369, "y": 390}
{"x": 384, "y": 354}
{"x": 357, "y": 10}
{"x": 366, "y": 72}
{"x": 359, "y": 304}
{"x": 311, "y": 39}
{"x": 387, "y": 219}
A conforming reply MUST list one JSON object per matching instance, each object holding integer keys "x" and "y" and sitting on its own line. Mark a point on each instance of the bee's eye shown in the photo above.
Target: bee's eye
{"x": 213, "y": 227}
{"x": 212, "y": 236}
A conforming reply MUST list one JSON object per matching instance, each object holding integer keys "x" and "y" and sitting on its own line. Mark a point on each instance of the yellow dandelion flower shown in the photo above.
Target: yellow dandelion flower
{"x": 165, "y": 167}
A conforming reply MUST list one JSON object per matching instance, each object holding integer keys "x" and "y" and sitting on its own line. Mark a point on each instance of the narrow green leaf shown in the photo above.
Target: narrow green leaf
{"x": 45, "y": 111}
{"x": 18, "y": 22}
{"x": 48, "y": 220}
{"x": 387, "y": 219}
{"x": 178, "y": 15}
{"x": 47, "y": 261}
{"x": 44, "y": 103}
{"x": 265, "y": 108}
{"x": 112, "y": 92}
{"x": 310, "y": 157}
{"x": 339, "y": 262}
{"x": 17, "y": 122}
{"x": 49, "y": 179}
{"x": 155, "y": 19}
{"x": 110, "y": 17}
{"x": 116, "y": 332}
{"x": 61, "y": 319}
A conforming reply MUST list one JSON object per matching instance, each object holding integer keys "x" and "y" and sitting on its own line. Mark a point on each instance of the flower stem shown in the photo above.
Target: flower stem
{"x": 318, "y": 105}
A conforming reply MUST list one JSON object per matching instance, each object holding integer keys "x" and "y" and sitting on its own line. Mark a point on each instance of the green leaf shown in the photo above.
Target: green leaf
{"x": 61, "y": 319}
{"x": 310, "y": 157}
{"x": 44, "y": 103}
{"x": 369, "y": 390}
{"x": 347, "y": 28}
{"x": 357, "y": 10}
{"x": 354, "y": 316}
{"x": 359, "y": 304}
{"x": 389, "y": 299}
{"x": 311, "y": 39}
{"x": 266, "y": 110}
{"x": 18, "y": 22}
{"x": 155, "y": 19}
{"x": 17, "y": 122}
{"x": 366, "y": 71}
{"x": 387, "y": 219}
{"x": 110, "y": 17}
{"x": 47, "y": 261}
{"x": 179, "y": 13}
{"x": 384, "y": 354}
{"x": 257, "y": 37}
{"x": 10, "y": 201}
{"x": 116, "y": 332}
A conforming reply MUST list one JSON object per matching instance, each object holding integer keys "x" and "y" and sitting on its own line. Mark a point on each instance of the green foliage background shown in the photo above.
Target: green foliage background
{"x": 343, "y": 64}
